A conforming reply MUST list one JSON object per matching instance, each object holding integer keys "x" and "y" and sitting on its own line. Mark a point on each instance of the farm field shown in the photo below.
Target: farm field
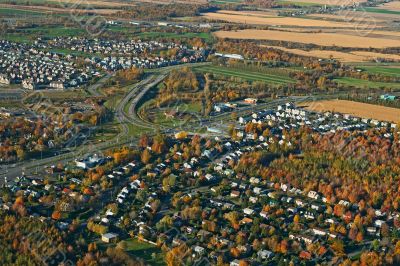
{"x": 363, "y": 110}
{"x": 248, "y": 18}
{"x": 342, "y": 17}
{"x": 277, "y": 79}
{"x": 325, "y": 2}
{"x": 360, "y": 83}
{"x": 347, "y": 57}
{"x": 387, "y": 71}
{"x": 89, "y": 3}
{"x": 60, "y": 9}
{"x": 152, "y": 34}
{"x": 325, "y": 39}
{"x": 12, "y": 11}
{"x": 394, "y": 6}
{"x": 380, "y": 10}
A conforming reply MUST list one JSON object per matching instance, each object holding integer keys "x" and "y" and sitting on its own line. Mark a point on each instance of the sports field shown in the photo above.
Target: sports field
{"x": 278, "y": 79}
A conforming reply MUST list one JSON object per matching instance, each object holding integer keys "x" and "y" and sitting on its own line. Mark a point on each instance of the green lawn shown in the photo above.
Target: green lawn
{"x": 151, "y": 254}
{"x": 278, "y": 78}
{"x": 360, "y": 83}
{"x": 224, "y": 2}
{"x": 381, "y": 70}
{"x": 382, "y": 11}
{"x": 154, "y": 34}
{"x": 19, "y": 12}
{"x": 297, "y": 3}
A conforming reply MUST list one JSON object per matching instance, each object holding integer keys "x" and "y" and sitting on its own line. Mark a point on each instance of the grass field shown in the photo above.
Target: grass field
{"x": 277, "y": 79}
{"x": 151, "y": 254}
{"x": 297, "y": 3}
{"x": 152, "y": 34}
{"x": 224, "y": 2}
{"x": 360, "y": 83}
{"x": 381, "y": 11}
{"x": 364, "y": 110}
{"x": 387, "y": 71}
{"x": 19, "y": 12}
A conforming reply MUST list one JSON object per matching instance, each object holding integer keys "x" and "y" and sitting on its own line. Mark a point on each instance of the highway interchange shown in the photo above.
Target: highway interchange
{"x": 126, "y": 114}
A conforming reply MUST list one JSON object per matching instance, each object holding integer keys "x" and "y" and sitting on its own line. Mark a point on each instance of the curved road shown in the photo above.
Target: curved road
{"x": 134, "y": 95}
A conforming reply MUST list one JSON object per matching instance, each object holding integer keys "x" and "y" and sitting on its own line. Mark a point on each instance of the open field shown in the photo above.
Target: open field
{"x": 342, "y": 17}
{"x": 371, "y": 16}
{"x": 88, "y": 3}
{"x": 325, "y": 39}
{"x": 393, "y": 71}
{"x": 153, "y": 34}
{"x": 382, "y": 11}
{"x": 13, "y": 11}
{"x": 364, "y": 110}
{"x": 145, "y": 250}
{"x": 393, "y": 6}
{"x": 347, "y": 57}
{"x": 248, "y": 18}
{"x": 61, "y": 9}
{"x": 326, "y": 2}
{"x": 278, "y": 79}
{"x": 361, "y": 83}
{"x": 176, "y": 1}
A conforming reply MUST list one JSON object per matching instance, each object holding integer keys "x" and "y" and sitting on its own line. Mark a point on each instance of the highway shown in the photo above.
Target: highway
{"x": 126, "y": 113}
{"x": 135, "y": 93}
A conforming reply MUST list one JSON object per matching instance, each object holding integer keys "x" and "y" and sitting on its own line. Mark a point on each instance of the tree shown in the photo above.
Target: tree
{"x": 146, "y": 156}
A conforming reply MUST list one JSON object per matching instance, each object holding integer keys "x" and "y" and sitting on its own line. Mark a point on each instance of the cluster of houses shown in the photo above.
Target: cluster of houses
{"x": 111, "y": 47}
{"x": 114, "y": 63}
{"x": 289, "y": 117}
{"x": 34, "y": 69}
{"x": 224, "y": 213}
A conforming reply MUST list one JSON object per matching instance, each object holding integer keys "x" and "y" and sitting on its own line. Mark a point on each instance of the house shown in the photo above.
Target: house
{"x": 246, "y": 220}
{"x": 319, "y": 232}
{"x": 248, "y": 211}
{"x": 264, "y": 214}
{"x": 388, "y": 97}
{"x": 109, "y": 237}
{"x": 199, "y": 250}
{"x": 4, "y": 79}
{"x": 89, "y": 162}
{"x": 379, "y": 223}
{"x": 57, "y": 85}
{"x": 251, "y": 100}
{"x": 372, "y": 230}
{"x": 235, "y": 194}
{"x": 235, "y": 262}
{"x": 264, "y": 254}
{"x": 313, "y": 195}
{"x": 299, "y": 202}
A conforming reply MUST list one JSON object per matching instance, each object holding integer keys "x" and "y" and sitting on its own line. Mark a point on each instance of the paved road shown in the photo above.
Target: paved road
{"x": 93, "y": 89}
{"x": 130, "y": 101}
{"x": 29, "y": 167}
